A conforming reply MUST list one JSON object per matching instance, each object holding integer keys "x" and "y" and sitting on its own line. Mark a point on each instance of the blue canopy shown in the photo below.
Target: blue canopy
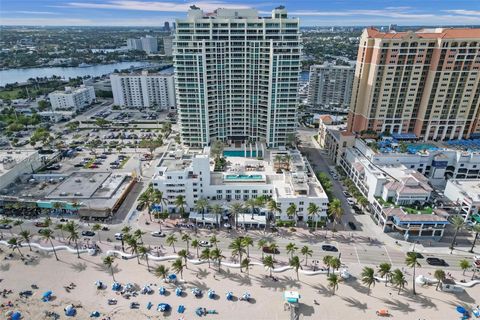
{"x": 404, "y": 136}
{"x": 461, "y": 309}
{"x": 172, "y": 276}
{"x": 16, "y": 316}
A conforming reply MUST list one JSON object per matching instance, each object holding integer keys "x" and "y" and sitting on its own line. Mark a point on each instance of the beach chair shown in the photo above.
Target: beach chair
{"x": 229, "y": 296}
{"x": 211, "y": 294}
{"x": 181, "y": 308}
{"x": 149, "y": 305}
{"x": 162, "y": 291}
{"x": 178, "y": 292}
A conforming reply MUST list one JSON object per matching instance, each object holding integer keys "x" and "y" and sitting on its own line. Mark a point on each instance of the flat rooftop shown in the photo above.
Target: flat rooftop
{"x": 470, "y": 187}
{"x": 10, "y": 158}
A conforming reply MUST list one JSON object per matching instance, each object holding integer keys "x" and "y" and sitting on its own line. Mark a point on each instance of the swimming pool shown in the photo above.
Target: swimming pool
{"x": 415, "y": 147}
{"x": 241, "y": 153}
{"x": 243, "y": 177}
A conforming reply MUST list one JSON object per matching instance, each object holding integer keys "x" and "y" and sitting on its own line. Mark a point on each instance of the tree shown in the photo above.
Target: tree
{"x": 476, "y": 229}
{"x": 412, "y": 261}
{"x": 464, "y": 265}
{"x": 246, "y": 264}
{"x": 291, "y": 249}
{"x": 184, "y": 255}
{"x": 144, "y": 252}
{"x": 47, "y": 235}
{"x": 161, "y": 272}
{"x": 252, "y": 204}
{"x": 145, "y": 199}
{"x": 126, "y": 233}
{"x": 108, "y": 262}
{"x": 326, "y": 261}
{"x": 180, "y": 204}
{"x": 217, "y": 210}
{"x": 177, "y": 266}
{"x": 307, "y": 252}
{"x": 368, "y": 277}
{"x": 72, "y": 229}
{"x": 439, "y": 274}
{"x": 216, "y": 255}
{"x": 18, "y": 223}
{"x": 97, "y": 227}
{"x": 313, "y": 211}
{"x": 457, "y": 223}
{"x": 201, "y": 206}
{"x": 171, "y": 239}
{"x": 237, "y": 249}
{"x": 186, "y": 238}
{"x": 398, "y": 279}
{"x": 261, "y": 243}
{"x": 205, "y": 255}
{"x": 247, "y": 242}
{"x": 335, "y": 210}
{"x": 236, "y": 209}
{"x": 27, "y": 237}
{"x": 273, "y": 207}
{"x": 333, "y": 281}
{"x": 216, "y": 150}
{"x": 295, "y": 264}
{"x": 196, "y": 245}
{"x": 273, "y": 247}
{"x": 335, "y": 263}
{"x": 292, "y": 212}
{"x": 15, "y": 243}
{"x": 214, "y": 241}
{"x": 269, "y": 263}
{"x": 385, "y": 271}
{"x": 133, "y": 245}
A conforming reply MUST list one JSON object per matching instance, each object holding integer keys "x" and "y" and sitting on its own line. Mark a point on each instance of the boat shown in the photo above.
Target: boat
{"x": 84, "y": 65}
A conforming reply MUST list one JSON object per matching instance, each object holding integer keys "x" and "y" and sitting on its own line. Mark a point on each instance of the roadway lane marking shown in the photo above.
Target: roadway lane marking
{"x": 388, "y": 255}
{"x": 356, "y": 252}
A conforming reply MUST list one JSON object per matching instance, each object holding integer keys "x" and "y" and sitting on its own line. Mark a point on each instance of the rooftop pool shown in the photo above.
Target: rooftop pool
{"x": 243, "y": 177}
{"x": 415, "y": 147}
{"x": 241, "y": 153}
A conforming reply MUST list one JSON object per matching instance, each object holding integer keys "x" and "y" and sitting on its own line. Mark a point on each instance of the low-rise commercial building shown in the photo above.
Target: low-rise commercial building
{"x": 334, "y": 140}
{"x": 466, "y": 195}
{"x": 72, "y": 99}
{"x": 139, "y": 90}
{"x": 14, "y": 164}
{"x": 192, "y": 174}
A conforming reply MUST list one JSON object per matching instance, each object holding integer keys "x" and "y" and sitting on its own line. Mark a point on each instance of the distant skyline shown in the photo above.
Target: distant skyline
{"x": 311, "y": 12}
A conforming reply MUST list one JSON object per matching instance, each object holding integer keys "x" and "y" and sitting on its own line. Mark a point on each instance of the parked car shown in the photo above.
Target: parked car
{"x": 352, "y": 225}
{"x": 436, "y": 262}
{"x": 5, "y": 226}
{"x": 346, "y": 194}
{"x": 119, "y": 236}
{"x": 329, "y": 247}
{"x": 417, "y": 254}
{"x": 205, "y": 244}
{"x": 267, "y": 249}
{"x": 140, "y": 206}
{"x": 158, "y": 234}
{"x": 88, "y": 233}
{"x": 350, "y": 201}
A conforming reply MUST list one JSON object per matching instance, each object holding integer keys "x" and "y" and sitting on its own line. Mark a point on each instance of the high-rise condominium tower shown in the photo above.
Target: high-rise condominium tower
{"x": 237, "y": 76}
{"x": 425, "y": 82}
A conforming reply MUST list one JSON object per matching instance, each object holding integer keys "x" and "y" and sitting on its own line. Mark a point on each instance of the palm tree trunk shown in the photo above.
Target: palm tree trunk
{"x": 78, "y": 252}
{"x": 453, "y": 241}
{"x": 99, "y": 237}
{"x": 414, "y": 292}
{"x": 438, "y": 284}
{"x": 473, "y": 275}
{"x": 148, "y": 265}
{"x": 29, "y": 246}
{"x": 474, "y": 241}
{"x": 53, "y": 248}
{"x": 113, "y": 274}
{"x": 173, "y": 246}
{"x": 197, "y": 252}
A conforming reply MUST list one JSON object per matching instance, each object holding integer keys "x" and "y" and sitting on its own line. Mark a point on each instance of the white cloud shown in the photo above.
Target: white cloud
{"x": 34, "y": 12}
{"x": 465, "y": 12}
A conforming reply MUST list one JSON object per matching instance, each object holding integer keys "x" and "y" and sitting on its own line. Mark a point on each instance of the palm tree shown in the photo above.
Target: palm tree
{"x": 216, "y": 255}
{"x": 214, "y": 241}
{"x": 398, "y": 279}
{"x": 186, "y": 238}
{"x": 313, "y": 211}
{"x": 385, "y": 271}
{"x": 236, "y": 208}
{"x": 144, "y": 252}
{"x": 246, "y": 264}
{"x": 171, "y": 239}
{"x": 72, "y": 230}
{"x": 368, "y": 277}
{"x": 60, "y": 227}
{"x": 15, "y": 244}
{"x": 145, "y": 200}
{"x": 126, "y": 232}
{"x": 217, "y": 210}
{"x": 201, "y": 206}
{"x": 333, "y": 281}
{"x": 269, "y": 263}
{"x": 97, "y": 227}
{"x": 205, "y": 255}
{"x": 335, "y": 263}
{"x": 261, "y": 243}
{"x": 180, "y": 204}
{"x": 177, "y": 266}
{"x": 237, "y": 249}
{"x": 138, "y": 235}
{"x": 133, "y": 246}
{"x": 161, "y": 272}
{"x": 458, "y": 223}
{"x": 363, "y": 202}
{"x": 184, "y": 255}
{"x": 108, "y": 262}
{"x": 295, "y": 264}
{"x": 326, "y": 261}
{"x": 292, "y": 212}
{"x": 157, "y": 197}
{"x": 195, "y": 244}
{"x": 291, "y": 249}
{"x": 439, "y": 274}
{"x": 464, "y": 265}
{"x": 18, "y": 223}
{"x": 252, "y": 204}
{"x": 273, "y": 207}
{"x": 26, "y": 236}
{"x": 273, "y": 247}
{"x": 335, "y": 210}
{"x": 47, "y": 235}
{"x": 247, "y": 242}
{"x": 476, "y": 229}
{"x": 412, "y": 261}
{"x": 307, "y": 252}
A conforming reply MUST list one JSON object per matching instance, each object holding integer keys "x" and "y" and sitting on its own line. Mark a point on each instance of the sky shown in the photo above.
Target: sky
{"x": 310, "y": 12}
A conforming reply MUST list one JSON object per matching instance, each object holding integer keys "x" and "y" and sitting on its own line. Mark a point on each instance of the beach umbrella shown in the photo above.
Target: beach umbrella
{"x": 16, "y": 316}
{"x": 172, "y": 276}
{"x": 461, "y": 309}
{"x": 162, "y": 290}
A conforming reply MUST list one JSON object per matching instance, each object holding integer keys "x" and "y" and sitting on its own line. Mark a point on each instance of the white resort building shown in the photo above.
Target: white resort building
{"x": 72, "y": 99}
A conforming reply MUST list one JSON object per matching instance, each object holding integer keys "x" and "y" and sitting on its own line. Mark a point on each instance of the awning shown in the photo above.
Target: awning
{"x": 404, "y": 136}
{"x": 476, "y": 217}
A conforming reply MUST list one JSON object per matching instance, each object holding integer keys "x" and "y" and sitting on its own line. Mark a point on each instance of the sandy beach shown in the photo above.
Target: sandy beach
{"x": 350, "y": 301}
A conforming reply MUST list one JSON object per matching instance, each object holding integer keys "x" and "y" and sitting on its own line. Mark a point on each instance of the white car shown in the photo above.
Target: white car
{"x": 205, "y": 244}
{"x": 227, "y": 225}
{"x": 157, "y": 234}
{"x": 119, "y": 236}
{"x": 350, "y": 201}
